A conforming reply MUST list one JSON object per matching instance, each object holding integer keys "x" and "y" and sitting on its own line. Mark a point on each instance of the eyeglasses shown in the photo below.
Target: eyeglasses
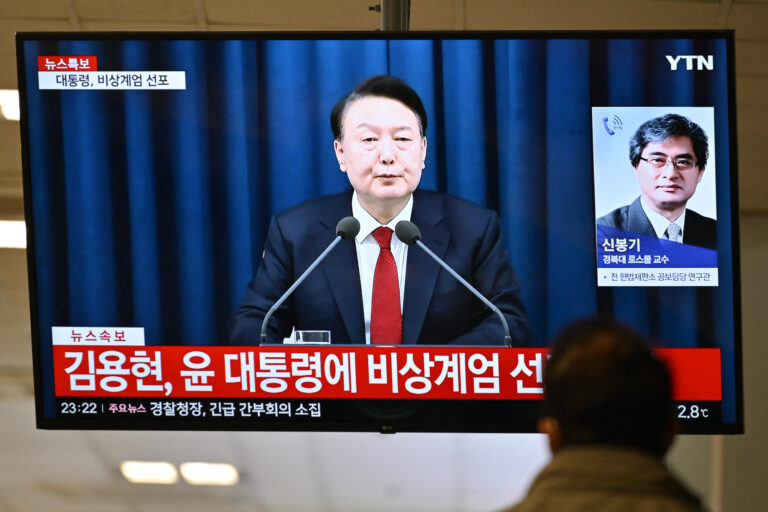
{"x": 681, "y": 164}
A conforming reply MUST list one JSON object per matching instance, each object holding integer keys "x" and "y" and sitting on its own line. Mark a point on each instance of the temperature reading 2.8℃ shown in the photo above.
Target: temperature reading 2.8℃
{"x": 692, "y": 412}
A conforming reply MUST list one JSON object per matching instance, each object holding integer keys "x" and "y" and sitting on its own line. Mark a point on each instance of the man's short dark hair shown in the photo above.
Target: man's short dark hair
{"x": 384, "y": 86}
{"x": 670, "y": 125}
{"x": 603, "y": 385}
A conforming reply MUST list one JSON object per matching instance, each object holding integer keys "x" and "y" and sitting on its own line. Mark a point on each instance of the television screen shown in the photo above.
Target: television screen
{"x": 177, "y": 184}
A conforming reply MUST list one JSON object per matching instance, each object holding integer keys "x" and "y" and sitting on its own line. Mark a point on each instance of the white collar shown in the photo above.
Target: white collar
{"x": 659, "y": 222}
{"x": 368, "y": 224}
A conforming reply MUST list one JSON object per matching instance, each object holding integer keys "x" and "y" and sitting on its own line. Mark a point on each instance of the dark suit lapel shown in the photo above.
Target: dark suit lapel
{"x": 340, "y": 268}
{"x": 422, "y": 271}
{"x": 699, "y": 230}
{"x": 637, "y": 220}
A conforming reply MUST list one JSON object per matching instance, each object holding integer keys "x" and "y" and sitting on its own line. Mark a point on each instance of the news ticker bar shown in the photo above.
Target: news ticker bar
{"x": 208, "y": 412}
{"x": 337, "y": 371}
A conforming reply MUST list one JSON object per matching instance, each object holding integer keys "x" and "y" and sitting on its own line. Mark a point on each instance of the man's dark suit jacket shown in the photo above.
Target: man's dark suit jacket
{"x": 436, "y": 308}
{"x": 699, "y": 230}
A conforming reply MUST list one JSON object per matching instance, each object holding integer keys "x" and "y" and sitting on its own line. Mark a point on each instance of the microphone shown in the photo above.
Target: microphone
{"x": 346, "y": 229}
{"x": 409, "y": 234}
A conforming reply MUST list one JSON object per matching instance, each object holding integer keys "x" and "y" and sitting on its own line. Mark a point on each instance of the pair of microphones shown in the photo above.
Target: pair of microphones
{"x": 408, "y": 233}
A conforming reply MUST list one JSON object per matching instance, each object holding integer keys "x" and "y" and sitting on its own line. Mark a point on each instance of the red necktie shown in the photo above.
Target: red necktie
{"x": 386, "y": 319}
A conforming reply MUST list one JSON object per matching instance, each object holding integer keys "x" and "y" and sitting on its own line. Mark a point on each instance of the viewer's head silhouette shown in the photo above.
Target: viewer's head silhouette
{"x": 604, "y": 385}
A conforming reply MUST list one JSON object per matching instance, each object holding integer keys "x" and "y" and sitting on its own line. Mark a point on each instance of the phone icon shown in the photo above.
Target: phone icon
{"x": 607, "y": 128}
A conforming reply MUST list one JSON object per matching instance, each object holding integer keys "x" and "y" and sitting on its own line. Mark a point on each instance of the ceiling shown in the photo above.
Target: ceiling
{"x": 78, "y": 470}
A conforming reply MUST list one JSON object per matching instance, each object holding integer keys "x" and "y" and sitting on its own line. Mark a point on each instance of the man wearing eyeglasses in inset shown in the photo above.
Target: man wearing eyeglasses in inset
{"x": 668, "y": 156}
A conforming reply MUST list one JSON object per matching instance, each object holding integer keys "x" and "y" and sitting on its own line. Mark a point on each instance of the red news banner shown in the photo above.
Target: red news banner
{"x": 365, "y": 372}
{"x": 67, "y": 63}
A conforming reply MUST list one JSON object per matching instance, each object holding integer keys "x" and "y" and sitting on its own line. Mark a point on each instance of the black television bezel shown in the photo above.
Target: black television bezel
{"x": 382, "y": 426}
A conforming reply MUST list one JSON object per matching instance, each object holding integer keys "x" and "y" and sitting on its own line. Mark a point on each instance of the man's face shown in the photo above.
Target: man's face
{"x": 382, "y": 150}
{"x": 667, "y": 188}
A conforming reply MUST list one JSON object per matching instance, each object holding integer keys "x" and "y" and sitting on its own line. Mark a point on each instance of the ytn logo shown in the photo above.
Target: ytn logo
{"x": 702, "y": 62}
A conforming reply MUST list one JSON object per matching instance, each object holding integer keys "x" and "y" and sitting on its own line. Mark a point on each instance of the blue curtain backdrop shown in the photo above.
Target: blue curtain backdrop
{"x": 150, "y": 208}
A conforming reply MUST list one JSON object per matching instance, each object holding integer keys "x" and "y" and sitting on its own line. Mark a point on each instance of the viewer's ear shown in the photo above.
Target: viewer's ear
{"x": 671, "y": 430}
{"x": 550, "y": 426}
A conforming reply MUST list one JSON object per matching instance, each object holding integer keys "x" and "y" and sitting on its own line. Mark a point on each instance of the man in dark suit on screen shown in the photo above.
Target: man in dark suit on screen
{"x": 377, "y": 289}
{"x": 668, "y": 156}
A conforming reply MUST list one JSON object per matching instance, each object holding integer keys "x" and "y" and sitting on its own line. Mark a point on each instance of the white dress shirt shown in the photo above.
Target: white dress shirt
{"x": 368, "y": 253}
{"x": 660, "y": 223}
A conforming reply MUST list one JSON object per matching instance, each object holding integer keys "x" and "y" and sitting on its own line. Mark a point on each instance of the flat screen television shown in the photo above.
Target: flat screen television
{"x": 153, "y": 163}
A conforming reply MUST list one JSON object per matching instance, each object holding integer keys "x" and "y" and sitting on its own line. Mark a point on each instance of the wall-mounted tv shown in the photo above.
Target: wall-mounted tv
{"x": 177, "y": 184}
